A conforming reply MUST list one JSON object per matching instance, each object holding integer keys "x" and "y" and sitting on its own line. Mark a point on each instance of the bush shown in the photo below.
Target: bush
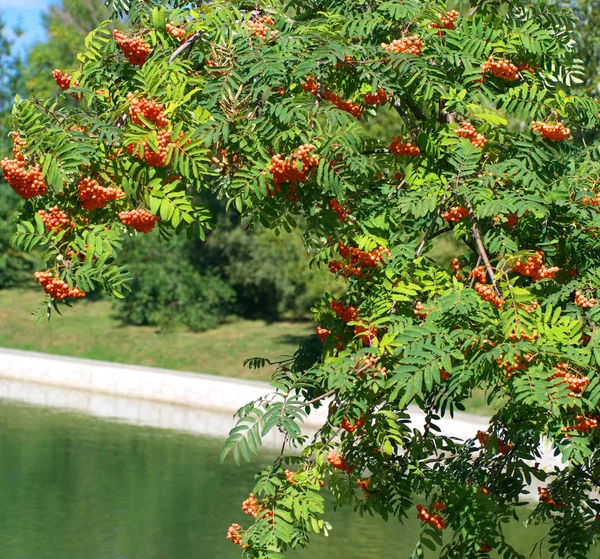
{"x": 166, "y": 289}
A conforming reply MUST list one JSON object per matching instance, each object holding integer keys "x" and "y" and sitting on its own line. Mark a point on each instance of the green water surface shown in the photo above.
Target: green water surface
{"x": 76, "y": 487}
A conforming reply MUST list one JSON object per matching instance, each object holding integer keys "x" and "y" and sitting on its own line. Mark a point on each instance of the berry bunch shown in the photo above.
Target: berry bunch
{"x": 410, "y": 45}
{"x": 534, "y": 267}
{"x": 455, "y": 265}
{"x": 262, "y": 26}
{"x": 508, "y": 220}
{"x": 339, "y": 209}
{"x": 338, "y": 462}
{"x": 582, "y": 301}
{"x": 455, "y": 213}
{"x": 312, "y": 86}
{"x": 575, "y": 383}
{"x": 519, "y": 364}
{"x": 176, "y": 32}
{"x": 522, "y": 335}
{"x": 370, "y": 362}
{"x": 446, "y": 21}
{"x": 141, "y": 220}
{"x": 378, "y": 98}
{"x": 363, "y": 485}
{"x": 344, "y": 313}
{"x": 357, "y": 259}
{"x": 366, "y": 335}
{"x": 553, "y": 132}
{"x": 156, "y": 158}
{"x": 467, "y": 130}
{"x": 420, "y": 311}
{"x": 289, "y": 475}
{"x": 398, "y": 147}
{"x": 502, "y": 69}
{"x": 150, "y": 110}
{"x": 134, "y": 48}
{"x": 27, "y": 183}
{"x": 487, "y": 293}
{"x": 233, "y": 534}
{"x": 547, "y": 499}
{"x": 293, "y": 169}
{"x": 530, "y": 308}
{"x": 444, "y": 375}
{"x": 479, "y": 274}
{"x": 349, "y": 427}
{"x": 434, "y": 519}
{"x": 583, "y": 425}
{"x": 250, "y": 505}
{"x": 63, "y": 80}
{"x": 93, "y": 196}
{"x": 55, "y": 218}
{"x": 57, "y": 288}
{"x": 591, "y": 200}
{"x": 18, "y": 143}
{"x": 484, "y": 439}
{"x": 323, "y": 333}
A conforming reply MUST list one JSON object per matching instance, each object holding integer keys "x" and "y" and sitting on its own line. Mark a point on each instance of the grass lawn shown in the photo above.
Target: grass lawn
{"x": 90, "y": 330}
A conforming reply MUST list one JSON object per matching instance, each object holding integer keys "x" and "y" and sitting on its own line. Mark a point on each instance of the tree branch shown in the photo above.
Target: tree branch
{"x": 481, "y": 249}
{"x": 431, "y": 226}
{"x": 185, "y": 46}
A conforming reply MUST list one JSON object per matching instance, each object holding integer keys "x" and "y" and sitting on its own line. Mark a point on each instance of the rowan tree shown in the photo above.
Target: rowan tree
{"x": 265, "y": 105}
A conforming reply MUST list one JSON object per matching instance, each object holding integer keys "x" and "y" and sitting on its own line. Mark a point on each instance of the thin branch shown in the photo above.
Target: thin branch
{"x": 416, "y": 111}
{"x": 185, "y": 46}
{"x": 321, "y": 397}
{"x": 429, "y": 231}
{"x": 481, "y": 249}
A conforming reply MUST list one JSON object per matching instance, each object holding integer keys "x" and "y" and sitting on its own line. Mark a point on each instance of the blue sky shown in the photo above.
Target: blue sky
{"x": 28, "y": 14}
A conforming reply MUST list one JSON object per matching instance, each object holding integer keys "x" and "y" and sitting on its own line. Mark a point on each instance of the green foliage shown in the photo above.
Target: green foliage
{"x": 513, "y": 314}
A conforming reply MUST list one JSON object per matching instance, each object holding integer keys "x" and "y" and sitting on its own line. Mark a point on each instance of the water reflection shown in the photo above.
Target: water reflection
{"x": 76, "y": 487}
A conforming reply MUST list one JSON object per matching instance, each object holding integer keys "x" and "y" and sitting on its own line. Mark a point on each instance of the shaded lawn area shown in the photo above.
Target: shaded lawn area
{"x": 90, "y": 330}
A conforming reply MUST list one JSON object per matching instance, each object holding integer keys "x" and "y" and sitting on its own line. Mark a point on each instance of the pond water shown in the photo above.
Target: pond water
{"x": 76, "y": 487}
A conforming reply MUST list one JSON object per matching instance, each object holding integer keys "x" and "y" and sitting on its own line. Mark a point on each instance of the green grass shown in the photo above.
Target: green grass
{"x": 90, "y": 330}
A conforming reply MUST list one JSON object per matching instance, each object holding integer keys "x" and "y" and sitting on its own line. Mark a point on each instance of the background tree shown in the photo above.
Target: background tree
{"x": 261, "y": 108}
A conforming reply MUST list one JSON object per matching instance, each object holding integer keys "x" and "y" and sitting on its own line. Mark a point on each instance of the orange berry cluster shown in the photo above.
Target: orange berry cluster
{"x": 150, "y": 110}
{"x": 156, "y": 158}
{"x": 487, "y": 293}
{"x": 141, "y": 220}
{"x": 410, "y": 45}
{"x": 501, "y": 69}
{"x": 134, "y": 48}
{"x": 349, "y": 427}
{"x": 250, "y": 505}
{"x": 312, "y": 86}
{"x": 485, "y": 547}
{"x": 484, "y": 439}
{"x": 176, "y": 32}
{"x": 398, "y": 147}
{"x": 479, "y": 274}
{"x": 289, "y": 475}
{"x": 18, "y": 143}
{"x": 446, "y": 21}
{"x": 510, "y": 220}
{"x": 55, "y": 218}
{"x": 363, "y": 485}
{"x": 233, "y": 534}
{"x": 455, "y": 265}
{"x": 522, "y": 335}
{"x": 546, "y": 498}
{"x": 534, "y": 267}
{"x": 57, "y": 288}
{"x": 287, "y": 170}
{"x": 420, "y": 311}
{"x": 63, "y": 80}
{"x": 591, "y": 201}
{"x": 455, "y": 213}
{"x": 378, "y": 98}
{"x": 575, "y": 383}
{"x": 262, "y": 26}
{"x": 583, "y": 425}
{"x": 93, "y": 196}
{"x": 467, "y": 130}
{"x": 434, "y": 519}
{"x": 444, "y": 375}
{"x": 366, "y": 335}
{"x": 339, "y": 209}
{"x": 323, "y": 333}
{"x": 338, "y": 462}
{"x": 27, "y": 183}
{"x": 357, "y": 259}
{"x": 552, "y": 132}
{"x": 582, "y": 301}
{"x": 344, "y": 313}
{"x": 519, "y": 364}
